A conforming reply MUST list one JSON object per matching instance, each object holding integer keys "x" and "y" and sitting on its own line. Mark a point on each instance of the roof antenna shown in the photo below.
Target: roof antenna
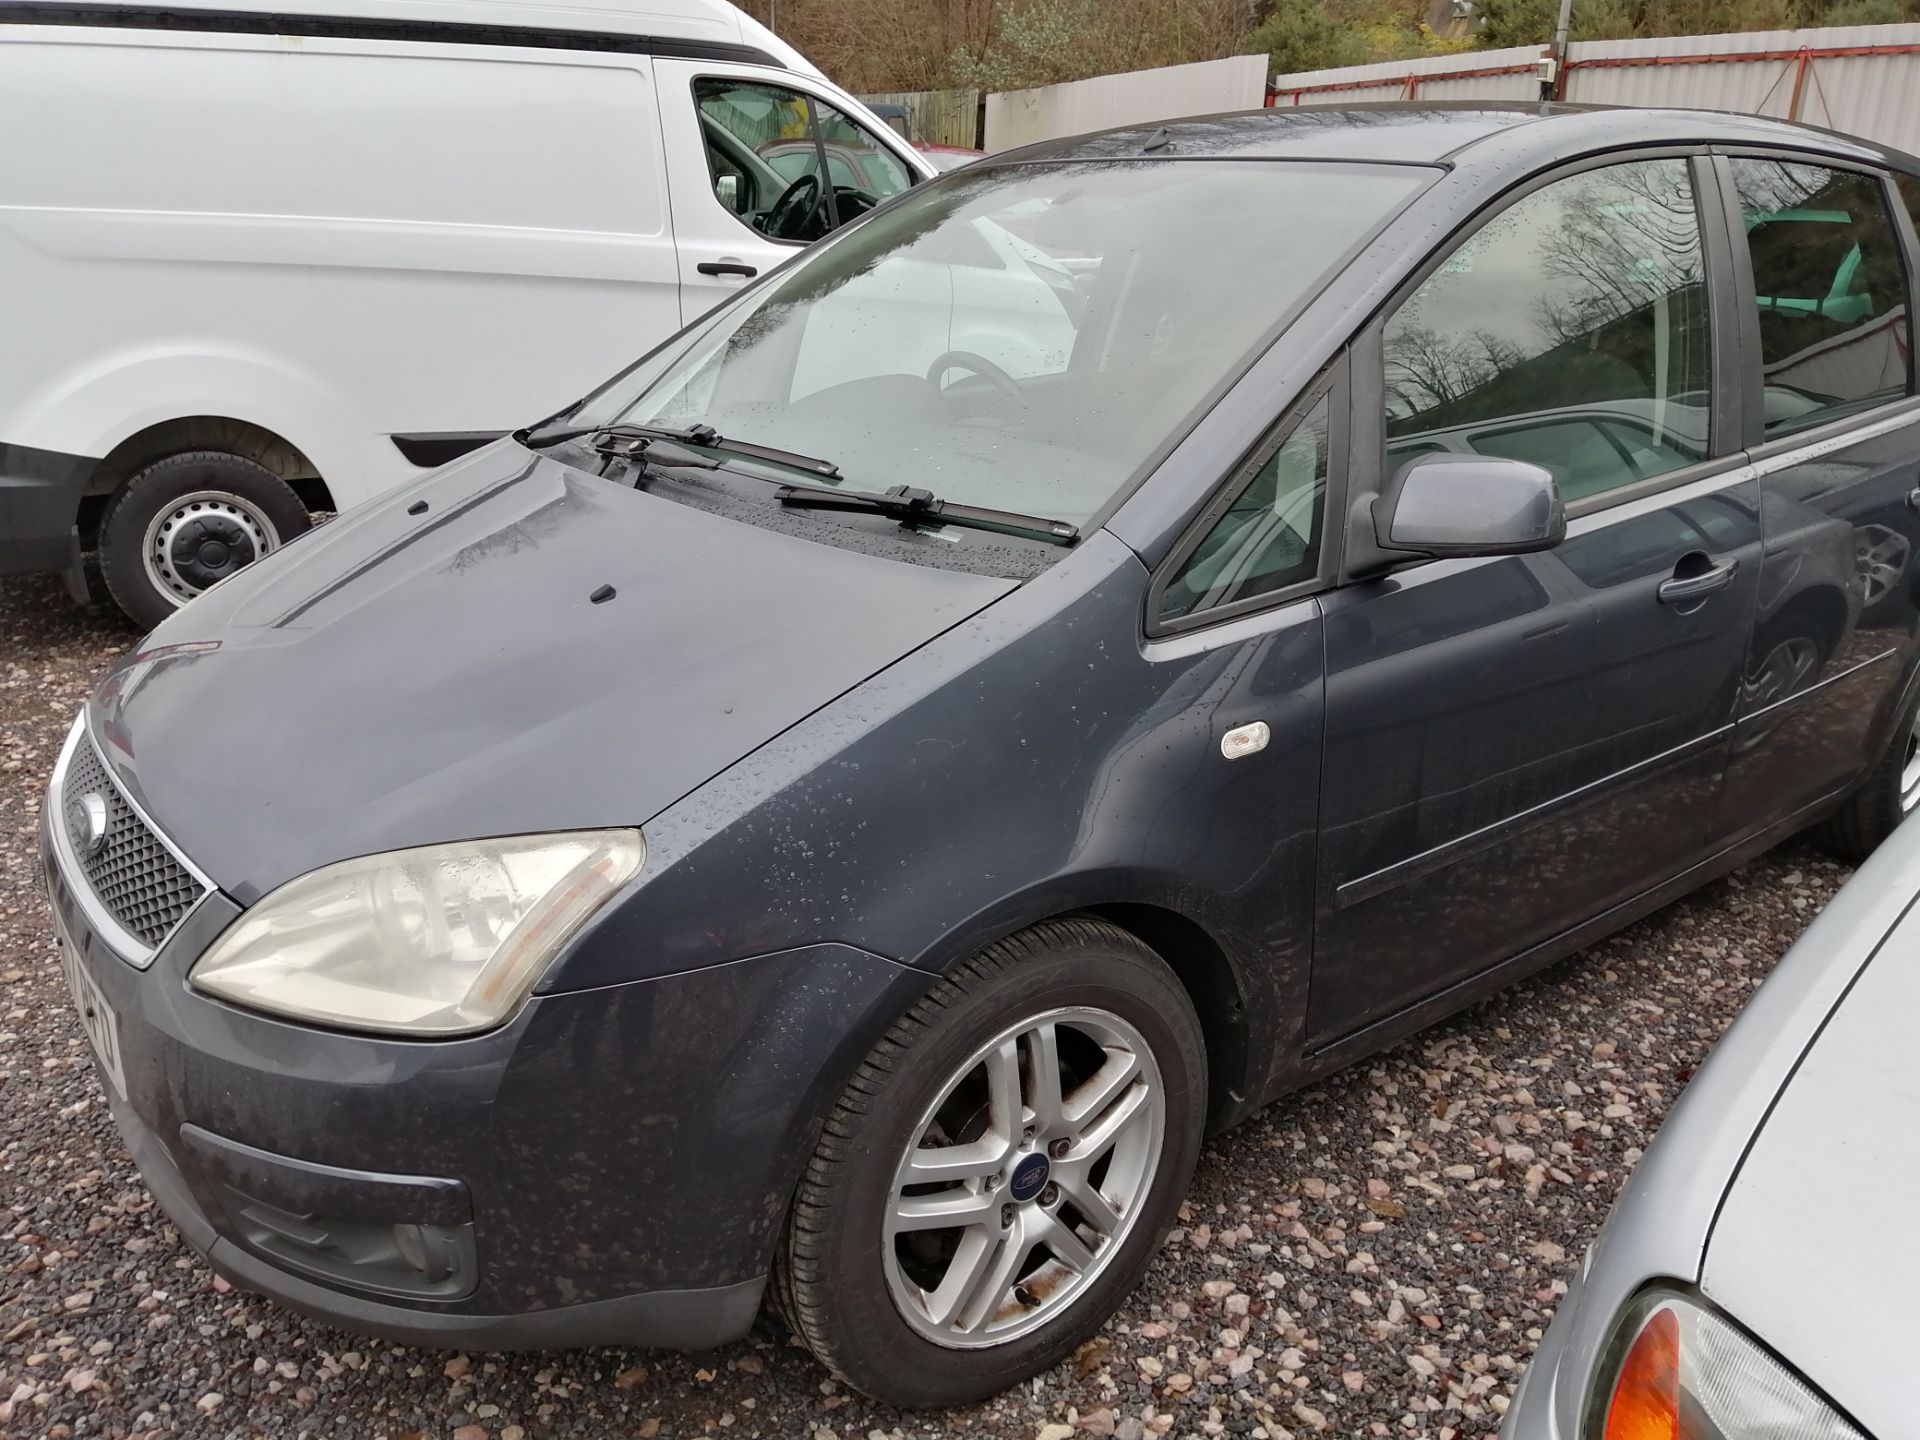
{"x": 1159, "y": 140}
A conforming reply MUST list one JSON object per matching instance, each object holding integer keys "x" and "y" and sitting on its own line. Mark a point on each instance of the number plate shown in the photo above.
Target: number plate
{"x": 96, "y": 1016}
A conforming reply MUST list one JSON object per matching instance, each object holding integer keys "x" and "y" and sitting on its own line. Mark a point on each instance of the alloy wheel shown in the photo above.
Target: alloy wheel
{"x": 1784, "y": 671}
{"x": 1881, "y": 555}
{"x": 1910, "y": 770}
{"x": 1024, "y": 1177}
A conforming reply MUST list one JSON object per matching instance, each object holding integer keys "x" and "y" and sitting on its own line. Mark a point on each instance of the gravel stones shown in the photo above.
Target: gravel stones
{"x": 1375, "y": 1256}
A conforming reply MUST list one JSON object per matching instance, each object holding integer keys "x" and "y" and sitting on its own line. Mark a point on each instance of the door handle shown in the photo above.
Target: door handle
{"x": 1682, "y": 589}
{"x": 728, "y": 267}
{"x": 1913, "y": 498}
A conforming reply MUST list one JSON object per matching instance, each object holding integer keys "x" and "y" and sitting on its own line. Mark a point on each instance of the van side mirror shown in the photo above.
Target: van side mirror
{"x": 727, "y": 188}
{"x": 1450, "y": 505}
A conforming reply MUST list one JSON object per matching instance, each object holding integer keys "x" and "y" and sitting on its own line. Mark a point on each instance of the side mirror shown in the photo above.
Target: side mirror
{"x": 727, "y": 188}
{"x": 1442, "y": 505}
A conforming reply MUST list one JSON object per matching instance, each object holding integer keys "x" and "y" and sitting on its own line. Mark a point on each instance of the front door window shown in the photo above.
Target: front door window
{"x": 789, "y": 165}
{"x": 1570, "y": 330}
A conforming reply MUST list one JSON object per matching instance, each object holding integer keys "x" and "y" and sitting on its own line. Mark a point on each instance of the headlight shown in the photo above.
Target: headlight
{"x": 1679, "y": 1371}
{"x": 443, "y": 940}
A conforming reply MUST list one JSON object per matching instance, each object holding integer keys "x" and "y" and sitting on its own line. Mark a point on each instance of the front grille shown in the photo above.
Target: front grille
{"x": 133, "y": 875}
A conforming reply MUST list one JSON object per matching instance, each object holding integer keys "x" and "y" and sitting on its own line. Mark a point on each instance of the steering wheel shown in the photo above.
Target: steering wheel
{"x": 796, "y": 205}
{"x": 981, "y": 366}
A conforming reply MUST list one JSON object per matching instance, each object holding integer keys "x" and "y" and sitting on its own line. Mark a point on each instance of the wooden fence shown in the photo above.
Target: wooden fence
{"x": 935, "y": 117}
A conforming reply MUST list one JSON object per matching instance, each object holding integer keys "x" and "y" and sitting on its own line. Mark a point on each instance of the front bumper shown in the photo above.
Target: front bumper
{"x": 689, "y": 1319}
{"x": 610, "y": 1167}
{"x": 1533, "y": 1414}
{"x": 40, "y": 492}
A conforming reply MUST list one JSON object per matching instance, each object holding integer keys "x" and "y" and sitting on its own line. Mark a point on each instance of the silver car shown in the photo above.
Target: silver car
{"x": 1756, "y": 1278}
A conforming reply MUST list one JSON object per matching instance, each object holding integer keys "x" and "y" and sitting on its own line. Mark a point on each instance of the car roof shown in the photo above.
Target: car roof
{"x": 702, "y": 26}
{"x": 1457, "y": 132}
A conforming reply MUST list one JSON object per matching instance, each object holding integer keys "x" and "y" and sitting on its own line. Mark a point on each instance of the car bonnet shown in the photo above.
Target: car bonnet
{"x": 1813, "y": 1250}
{"x": 1663, "y": 1223}
{"x": 511, "y": 646}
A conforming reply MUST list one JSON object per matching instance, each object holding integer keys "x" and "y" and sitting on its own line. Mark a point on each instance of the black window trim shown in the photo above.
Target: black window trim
{"x": 1331, "y": 386}
{"x": 1369, "y": 433}
{"x": 359, "y": 27}
{"x": 1753, "y": 380}
{"x": 1904, "y": 221}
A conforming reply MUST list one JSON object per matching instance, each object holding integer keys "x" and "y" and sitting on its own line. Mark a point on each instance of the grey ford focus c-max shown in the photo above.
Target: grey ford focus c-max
{"x": 1129, "y": 626}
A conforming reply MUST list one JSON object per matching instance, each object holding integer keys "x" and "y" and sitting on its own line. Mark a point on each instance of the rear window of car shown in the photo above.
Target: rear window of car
{"x": 1831, "y": 288}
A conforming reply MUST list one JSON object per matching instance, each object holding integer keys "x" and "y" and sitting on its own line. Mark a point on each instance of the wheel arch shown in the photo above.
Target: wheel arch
{"x": 136, "y": 405}
{"x": 1214, "y": 978}
{"x": 200, "y": 432}
{"x": 1213, "y": 984}
{"x": 1823, "y": 609}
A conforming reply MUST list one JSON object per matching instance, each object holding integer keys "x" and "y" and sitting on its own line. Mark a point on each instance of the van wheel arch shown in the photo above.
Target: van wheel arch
{"x": 182, "y": 523}
{"x": 221, "y": 433}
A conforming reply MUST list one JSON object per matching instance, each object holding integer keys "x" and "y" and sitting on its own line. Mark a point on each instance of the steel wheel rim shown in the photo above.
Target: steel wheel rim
{"x": 160, "y": 553}
{"x": 1910, "y": 772}
{"x": 989, "y": 1237}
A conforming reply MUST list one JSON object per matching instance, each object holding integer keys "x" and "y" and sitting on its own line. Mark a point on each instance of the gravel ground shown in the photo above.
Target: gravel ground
{"x": 1375, "y": 1256}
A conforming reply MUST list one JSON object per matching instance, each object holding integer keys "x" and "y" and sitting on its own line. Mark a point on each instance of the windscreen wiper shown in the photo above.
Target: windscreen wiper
{"x": 639, "y": 446}
{"x": 704, "y": 437}
{"x": 539, "y": 438}
{"x": 649, "y": 450}
{"x": 922, "y": 507}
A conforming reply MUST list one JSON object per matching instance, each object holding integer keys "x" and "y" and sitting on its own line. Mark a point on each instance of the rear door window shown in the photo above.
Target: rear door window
{"x": 1830, "y": 287}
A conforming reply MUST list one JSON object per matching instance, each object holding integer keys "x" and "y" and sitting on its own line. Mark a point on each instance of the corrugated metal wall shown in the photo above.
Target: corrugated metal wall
{"x": 1472, "y": 75}
{"x": 1020, "y": 117}
{"x": 938, "y": 117}
{"x": 1861, "y": 79}
{"x": 1874, "y": 92}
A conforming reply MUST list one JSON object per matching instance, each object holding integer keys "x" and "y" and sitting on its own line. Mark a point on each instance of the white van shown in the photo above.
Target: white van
{"x": 258, "y": 263}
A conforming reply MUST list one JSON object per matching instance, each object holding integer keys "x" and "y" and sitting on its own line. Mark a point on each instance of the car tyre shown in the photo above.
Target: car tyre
{"x": 1887, "y": 796}
{"x": 187, "y": 521}
{"x": 869, "y": 1302}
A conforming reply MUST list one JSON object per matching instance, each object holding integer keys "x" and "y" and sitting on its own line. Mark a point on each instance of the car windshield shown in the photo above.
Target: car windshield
{"x": 1023, "y": 336}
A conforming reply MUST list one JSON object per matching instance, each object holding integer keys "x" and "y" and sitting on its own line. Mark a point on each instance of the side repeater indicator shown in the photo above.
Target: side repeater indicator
{"x": 1245, "y": 740}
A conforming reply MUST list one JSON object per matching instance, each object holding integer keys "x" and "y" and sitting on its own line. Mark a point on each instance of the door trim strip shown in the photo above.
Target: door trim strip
{"x": 1337, "y": 1052}
{"x": 1799, "y": 695}
{"x": 1415, "y": 867}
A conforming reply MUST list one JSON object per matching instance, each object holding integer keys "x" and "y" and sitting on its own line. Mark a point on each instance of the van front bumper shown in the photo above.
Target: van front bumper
{"x": 40, "y": 494}
{"x": 611, "y": 1167}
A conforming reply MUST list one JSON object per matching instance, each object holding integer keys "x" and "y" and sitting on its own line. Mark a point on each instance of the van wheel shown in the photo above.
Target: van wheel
{"x": 187, "y": 522}
{"x": 1000, "y": 1171}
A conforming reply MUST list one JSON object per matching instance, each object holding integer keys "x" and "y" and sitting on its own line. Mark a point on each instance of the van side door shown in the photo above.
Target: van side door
{"x": 761, "y": 163}
{"x": 1821, "y": 252}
